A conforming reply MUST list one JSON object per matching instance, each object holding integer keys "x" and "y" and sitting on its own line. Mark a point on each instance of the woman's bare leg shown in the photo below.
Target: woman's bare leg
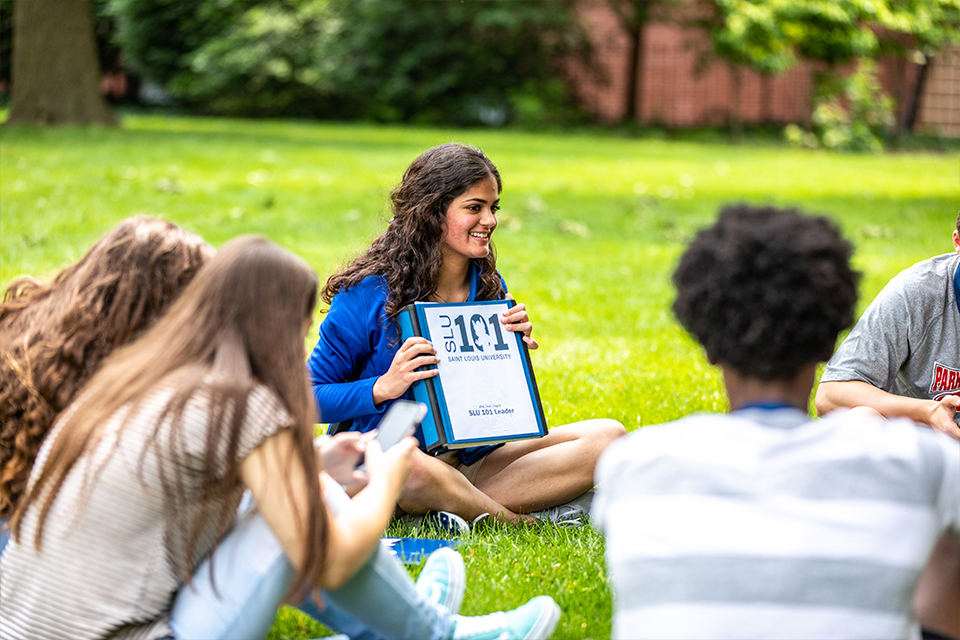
{"x": 433, "y": 485}
{"x": 518, "y": 477}
{"x": 537, "y": 474}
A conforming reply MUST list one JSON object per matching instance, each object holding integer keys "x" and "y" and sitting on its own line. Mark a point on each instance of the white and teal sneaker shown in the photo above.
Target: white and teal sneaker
{"x": 570, "y": 514}
{"x": 535, "y": 620}
{"x": 443, "y": 579}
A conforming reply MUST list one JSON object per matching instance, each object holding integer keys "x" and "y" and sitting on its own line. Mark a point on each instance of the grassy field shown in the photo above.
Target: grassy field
{"x": 590, "y": 231}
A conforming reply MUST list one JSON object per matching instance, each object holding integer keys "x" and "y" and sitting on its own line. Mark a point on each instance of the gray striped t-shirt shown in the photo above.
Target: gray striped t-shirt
{"x": 106, "y": 566}
{"x": 764, "y": 524}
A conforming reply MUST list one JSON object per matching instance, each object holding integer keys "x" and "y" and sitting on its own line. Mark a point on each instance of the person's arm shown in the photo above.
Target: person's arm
{"x": 854, "y": 393}
{"x": 355, "y": 531}
{"x": 344, "y": 342}
{"x": 350, "y": 335}
{"x": 278, "y": 483}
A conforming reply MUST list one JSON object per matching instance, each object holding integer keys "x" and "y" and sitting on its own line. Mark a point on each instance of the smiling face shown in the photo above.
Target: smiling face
{"x": 471, "y": 219}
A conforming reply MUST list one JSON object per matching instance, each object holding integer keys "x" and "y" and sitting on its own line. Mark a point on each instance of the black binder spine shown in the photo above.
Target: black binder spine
{"x": 432, "y": 427}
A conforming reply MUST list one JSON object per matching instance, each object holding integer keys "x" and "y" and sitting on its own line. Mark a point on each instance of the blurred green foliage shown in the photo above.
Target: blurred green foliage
{"x": 849, "y": 113}
{"x": 770, "y": 35}
{"x": 384, "y": 60}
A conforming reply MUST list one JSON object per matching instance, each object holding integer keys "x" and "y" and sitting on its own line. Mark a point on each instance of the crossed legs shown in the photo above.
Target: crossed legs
{"x": 515, "y": 479}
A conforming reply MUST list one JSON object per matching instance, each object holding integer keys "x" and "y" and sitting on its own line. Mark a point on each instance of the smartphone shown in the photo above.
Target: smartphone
{"x": 400, "y": 421}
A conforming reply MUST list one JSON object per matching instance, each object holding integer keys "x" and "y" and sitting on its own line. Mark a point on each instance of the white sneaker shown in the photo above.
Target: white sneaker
{"x": 564, "y": 515}
{"x": 447, "y": 523}
{"x": 443, "y": 579}
{"x": 535, "y": 620}
{"x": 442, "y": 522}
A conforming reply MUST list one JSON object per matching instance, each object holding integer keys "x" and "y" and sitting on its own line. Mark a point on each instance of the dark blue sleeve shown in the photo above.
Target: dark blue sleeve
{"x": 335, "y": 363}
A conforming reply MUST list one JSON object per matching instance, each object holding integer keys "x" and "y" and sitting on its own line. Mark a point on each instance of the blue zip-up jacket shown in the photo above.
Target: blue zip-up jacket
{"x": 356, "y": 346}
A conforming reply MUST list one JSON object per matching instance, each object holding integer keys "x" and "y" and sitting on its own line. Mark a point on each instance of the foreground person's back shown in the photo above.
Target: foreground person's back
{"x": 764, "y": 524}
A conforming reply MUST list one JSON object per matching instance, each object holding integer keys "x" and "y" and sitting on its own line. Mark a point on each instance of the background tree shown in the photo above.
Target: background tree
{"x": 55, "y": 74}
{"x": 634, "y": 17}
{"x": 389, "y": 60}
{"x": 747, "y": 35}
{"x": 770, "y": 35}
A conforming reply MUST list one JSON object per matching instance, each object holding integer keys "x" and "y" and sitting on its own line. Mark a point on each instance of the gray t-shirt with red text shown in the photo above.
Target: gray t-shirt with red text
{"x": 908, "y": 340}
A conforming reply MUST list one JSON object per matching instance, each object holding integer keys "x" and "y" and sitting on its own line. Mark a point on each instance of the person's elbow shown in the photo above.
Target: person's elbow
{"x": 336, "y": 574}
{"x": 826, "y": 399}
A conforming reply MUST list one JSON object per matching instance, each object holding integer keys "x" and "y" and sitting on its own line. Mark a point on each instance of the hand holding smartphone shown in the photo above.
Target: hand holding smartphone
{"x": 400, "y": 421}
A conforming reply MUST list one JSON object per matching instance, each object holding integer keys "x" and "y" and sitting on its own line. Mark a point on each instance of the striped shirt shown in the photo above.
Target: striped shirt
{"x": 764, "y": 524}
{"x": 107, "y": 561}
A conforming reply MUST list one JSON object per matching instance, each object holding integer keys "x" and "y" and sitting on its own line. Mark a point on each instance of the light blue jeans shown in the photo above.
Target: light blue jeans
{"x": 252, "y": 574}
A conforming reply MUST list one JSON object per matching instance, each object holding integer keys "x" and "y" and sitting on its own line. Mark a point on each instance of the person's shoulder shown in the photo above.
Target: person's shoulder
{"x": 371, "y": 283}
{"x": 921, "y": 288}
{"x": 262, "y": 401}
{"x": 942, "y": 266}
{"x": 372, "y": 289}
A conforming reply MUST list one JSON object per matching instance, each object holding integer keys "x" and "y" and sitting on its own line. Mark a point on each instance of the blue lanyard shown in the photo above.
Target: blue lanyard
{"x": 766, "y": 405}
{"x": 956, "y": 287}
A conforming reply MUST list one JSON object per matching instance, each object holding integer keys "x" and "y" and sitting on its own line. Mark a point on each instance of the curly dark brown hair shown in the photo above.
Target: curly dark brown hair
{"x": 55, "y": 334}
{"x": 408, "y": 255}
{"x": 766, "y": 291}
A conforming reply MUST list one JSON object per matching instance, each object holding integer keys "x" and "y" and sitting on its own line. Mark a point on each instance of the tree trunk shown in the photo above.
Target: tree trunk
{"x": 635, "y": 69}
{"x": 766, "y": 98}
{"x": 55, "y": 74}
{"x": 912, "y": 110}
{"x": 736, "y": 120}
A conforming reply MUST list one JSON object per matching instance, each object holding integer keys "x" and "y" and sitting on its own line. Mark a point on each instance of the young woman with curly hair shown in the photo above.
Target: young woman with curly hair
{"x": 55, "y": 334}
{"x": 438, "y": 248}
{"x": 142, "y": 476}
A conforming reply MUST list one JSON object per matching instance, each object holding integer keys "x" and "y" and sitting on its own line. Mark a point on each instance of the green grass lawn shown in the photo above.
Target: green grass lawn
{"x": 590, "y": 231}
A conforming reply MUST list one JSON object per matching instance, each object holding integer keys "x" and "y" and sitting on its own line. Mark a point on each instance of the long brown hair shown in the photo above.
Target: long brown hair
{"x": 239, "y": 324}
{"x": 55, "y": 334}
{"x": 408, "y": 255}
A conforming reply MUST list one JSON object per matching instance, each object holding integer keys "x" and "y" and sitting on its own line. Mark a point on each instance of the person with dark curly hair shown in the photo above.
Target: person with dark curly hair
{"x": 55, "y": 334}
{"x": 438, "y": 248}
{"x": 902, "y": 359}
{"x": 763, "y": 523}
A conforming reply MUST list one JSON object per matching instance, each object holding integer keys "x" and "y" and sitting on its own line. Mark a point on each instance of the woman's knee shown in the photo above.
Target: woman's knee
{"x": 600, "y": 432}
{"x": 421, "y": 483}
{"x": 609, "y": 429}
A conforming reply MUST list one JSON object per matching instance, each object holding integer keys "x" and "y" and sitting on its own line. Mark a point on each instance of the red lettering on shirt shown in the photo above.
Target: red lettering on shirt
{"x": 945, "y": 379}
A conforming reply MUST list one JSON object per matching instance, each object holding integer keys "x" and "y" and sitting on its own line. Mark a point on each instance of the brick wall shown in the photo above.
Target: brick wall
{"x": 679, "y": 89}
{"x": 940, "y": 104}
